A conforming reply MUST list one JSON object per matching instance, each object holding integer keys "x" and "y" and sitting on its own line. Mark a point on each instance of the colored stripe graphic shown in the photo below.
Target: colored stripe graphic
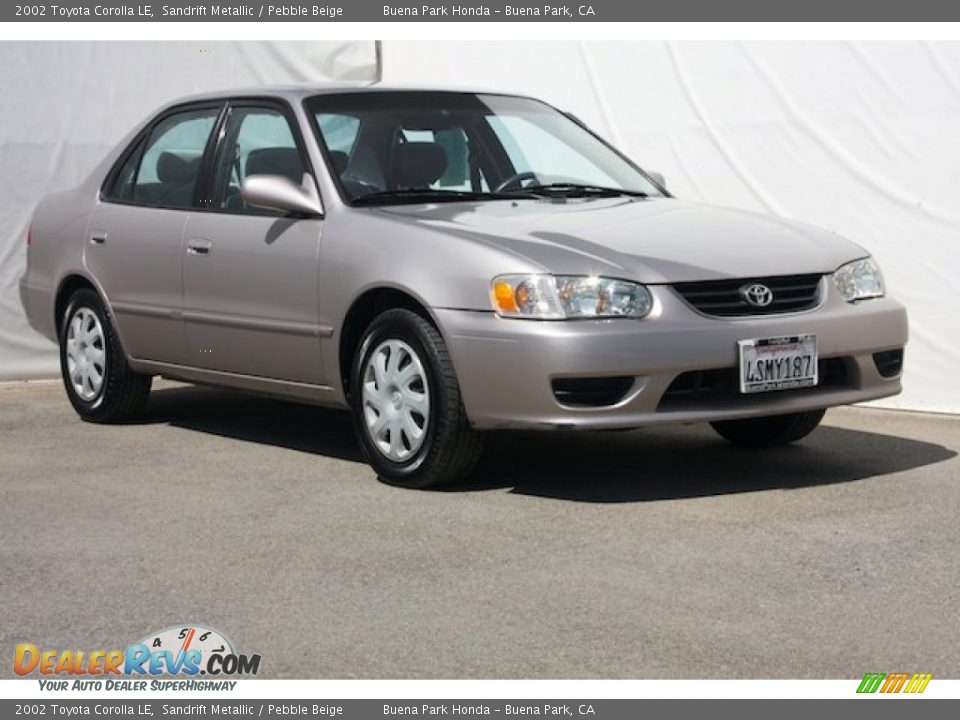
{"x": 895, "y": 682}
{"x": 918, "y": 683}
{"x": 871, "y": 682}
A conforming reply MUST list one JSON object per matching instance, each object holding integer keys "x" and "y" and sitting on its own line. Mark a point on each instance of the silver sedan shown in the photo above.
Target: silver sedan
{"x": 443, "y": 263}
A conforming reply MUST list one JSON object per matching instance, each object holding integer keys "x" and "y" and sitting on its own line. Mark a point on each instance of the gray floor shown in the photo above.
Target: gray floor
{"x": 662, "y": 553}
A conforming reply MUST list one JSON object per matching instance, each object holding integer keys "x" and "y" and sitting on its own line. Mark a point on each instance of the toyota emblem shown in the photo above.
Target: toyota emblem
{"x": 757, "y": 294}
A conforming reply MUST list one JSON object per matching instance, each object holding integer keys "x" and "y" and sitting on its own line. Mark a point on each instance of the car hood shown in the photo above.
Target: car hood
{"x": 661, "y": 240}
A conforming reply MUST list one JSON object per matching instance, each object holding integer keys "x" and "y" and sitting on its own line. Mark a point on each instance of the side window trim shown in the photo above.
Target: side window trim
{"x": 201, "y": 197}
{"x": 139, "y": 145}
{"x": 244, "y": 103}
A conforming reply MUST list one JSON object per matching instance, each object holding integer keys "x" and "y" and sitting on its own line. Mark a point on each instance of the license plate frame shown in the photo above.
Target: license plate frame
{"x": 788, "y": 362}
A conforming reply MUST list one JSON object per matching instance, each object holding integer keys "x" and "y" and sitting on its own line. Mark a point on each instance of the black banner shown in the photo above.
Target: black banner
{"x": 874, "y": 709}
{"x": 482, "y": 11}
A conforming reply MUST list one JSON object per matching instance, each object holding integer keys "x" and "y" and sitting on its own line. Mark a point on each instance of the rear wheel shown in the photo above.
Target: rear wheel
{"x": 99, "y": 382}
{"x": 406, "y": 404}
{"x": 769, "y": 431}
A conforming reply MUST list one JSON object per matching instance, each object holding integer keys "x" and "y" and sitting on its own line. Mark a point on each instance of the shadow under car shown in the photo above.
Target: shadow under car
{"x": 657, "y": 463}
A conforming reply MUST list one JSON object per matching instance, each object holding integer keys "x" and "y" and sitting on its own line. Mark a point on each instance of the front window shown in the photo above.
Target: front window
{"x": 256, "y": 141}
{"x": 393, "y": 147}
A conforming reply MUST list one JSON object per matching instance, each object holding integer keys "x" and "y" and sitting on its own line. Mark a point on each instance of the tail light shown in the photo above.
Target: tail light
{"x": 29, "y": 236}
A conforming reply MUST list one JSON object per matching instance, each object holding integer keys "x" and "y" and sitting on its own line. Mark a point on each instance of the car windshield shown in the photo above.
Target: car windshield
{"x": 389, "y": 147}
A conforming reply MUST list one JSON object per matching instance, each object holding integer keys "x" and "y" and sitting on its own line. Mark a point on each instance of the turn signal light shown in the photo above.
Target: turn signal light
{"x": 504, "y": 297}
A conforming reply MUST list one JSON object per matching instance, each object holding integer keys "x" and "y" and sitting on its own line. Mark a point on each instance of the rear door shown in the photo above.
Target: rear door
{"x": 251, "y": 275}
{"x": 136, "y": 231}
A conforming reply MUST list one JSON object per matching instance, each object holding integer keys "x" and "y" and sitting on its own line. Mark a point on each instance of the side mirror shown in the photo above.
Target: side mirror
{"x": 276, "y": 192}
{"x": 658, "y": 179}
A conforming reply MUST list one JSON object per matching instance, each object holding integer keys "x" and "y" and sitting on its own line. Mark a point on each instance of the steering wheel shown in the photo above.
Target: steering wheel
{"x": 515, "y": 179}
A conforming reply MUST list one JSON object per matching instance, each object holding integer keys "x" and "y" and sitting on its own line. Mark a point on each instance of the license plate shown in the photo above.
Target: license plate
{"x": 781, "y": 363}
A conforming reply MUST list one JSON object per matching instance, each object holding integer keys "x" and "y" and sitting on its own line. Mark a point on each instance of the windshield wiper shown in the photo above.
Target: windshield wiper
{"x": 433, "y": 195}
{"x": 578, "y": 190}
{"x": 426, "y": 195}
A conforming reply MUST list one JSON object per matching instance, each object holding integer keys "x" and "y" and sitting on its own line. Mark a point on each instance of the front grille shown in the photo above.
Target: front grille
{"x": 726, "y": 298}
{"x": 591, "y": 392}
{"x": 700, "y": 389}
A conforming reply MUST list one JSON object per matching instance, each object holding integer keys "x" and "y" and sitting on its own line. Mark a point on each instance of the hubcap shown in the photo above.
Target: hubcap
{"x": 86, "y": 359}
{"x": 396, "y": 400}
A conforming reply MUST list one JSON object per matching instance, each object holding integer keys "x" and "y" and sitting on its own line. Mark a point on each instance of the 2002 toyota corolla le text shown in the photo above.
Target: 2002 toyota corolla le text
{"x": 443, "y": 263}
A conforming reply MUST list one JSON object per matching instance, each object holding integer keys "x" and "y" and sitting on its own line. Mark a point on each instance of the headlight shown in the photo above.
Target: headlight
{"x": 560, "y": 297}
{"x": 859, "y": 280}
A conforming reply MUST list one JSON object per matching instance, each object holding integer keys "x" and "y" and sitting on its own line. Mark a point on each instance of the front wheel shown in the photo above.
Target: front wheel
{"x": 99, "y": 382}
{"x": 406, "y": 404}
{"x": 769, "y": 431}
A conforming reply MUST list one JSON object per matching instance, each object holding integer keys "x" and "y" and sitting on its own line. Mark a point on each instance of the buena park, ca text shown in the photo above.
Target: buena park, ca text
{"x": 457, "y": 11}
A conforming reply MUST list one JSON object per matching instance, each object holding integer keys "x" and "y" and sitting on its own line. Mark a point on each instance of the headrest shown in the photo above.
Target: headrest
{"x": 276, "y": 161}
{"x": 173, "y": 168}
{"x": 339, "y": 161}
{"x": 418, "y": 164}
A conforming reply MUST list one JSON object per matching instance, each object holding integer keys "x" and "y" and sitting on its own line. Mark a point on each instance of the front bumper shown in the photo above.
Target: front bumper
{"x": 506, "y": 366}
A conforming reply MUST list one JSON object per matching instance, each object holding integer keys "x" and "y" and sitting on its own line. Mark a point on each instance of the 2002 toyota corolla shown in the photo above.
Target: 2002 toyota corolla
{"x": 443, "y": 263}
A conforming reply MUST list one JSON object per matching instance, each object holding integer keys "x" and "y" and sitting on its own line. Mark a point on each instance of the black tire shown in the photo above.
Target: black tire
{"x": 124, "y": 392}
{"x": 451, "y": 447}
{"x": 769, "y": 431}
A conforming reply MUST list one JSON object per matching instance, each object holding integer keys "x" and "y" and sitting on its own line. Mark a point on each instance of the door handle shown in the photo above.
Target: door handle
{"x": 198, "y": 246}
{"x": 98, "y": 237}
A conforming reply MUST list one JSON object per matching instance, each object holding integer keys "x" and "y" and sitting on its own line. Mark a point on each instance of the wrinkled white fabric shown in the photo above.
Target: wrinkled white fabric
{"x": 64, "y": 104}
{"x": 860, "y": 138}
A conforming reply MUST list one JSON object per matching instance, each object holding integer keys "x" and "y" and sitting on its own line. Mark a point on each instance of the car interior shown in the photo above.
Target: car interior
{"x": 176, "y": 179}
{"x": 428, "y": 151}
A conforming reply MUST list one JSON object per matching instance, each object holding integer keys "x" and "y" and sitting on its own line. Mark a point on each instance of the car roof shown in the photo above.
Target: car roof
{"x": 298, "y": 91}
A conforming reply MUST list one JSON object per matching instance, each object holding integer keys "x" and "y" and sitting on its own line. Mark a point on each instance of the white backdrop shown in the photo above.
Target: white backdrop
{"x": 863, "y": 139}
{"x": 64, "y": 104}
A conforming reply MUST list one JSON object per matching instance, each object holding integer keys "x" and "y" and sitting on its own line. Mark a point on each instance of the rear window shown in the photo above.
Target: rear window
{"x": 163, "y": 168}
